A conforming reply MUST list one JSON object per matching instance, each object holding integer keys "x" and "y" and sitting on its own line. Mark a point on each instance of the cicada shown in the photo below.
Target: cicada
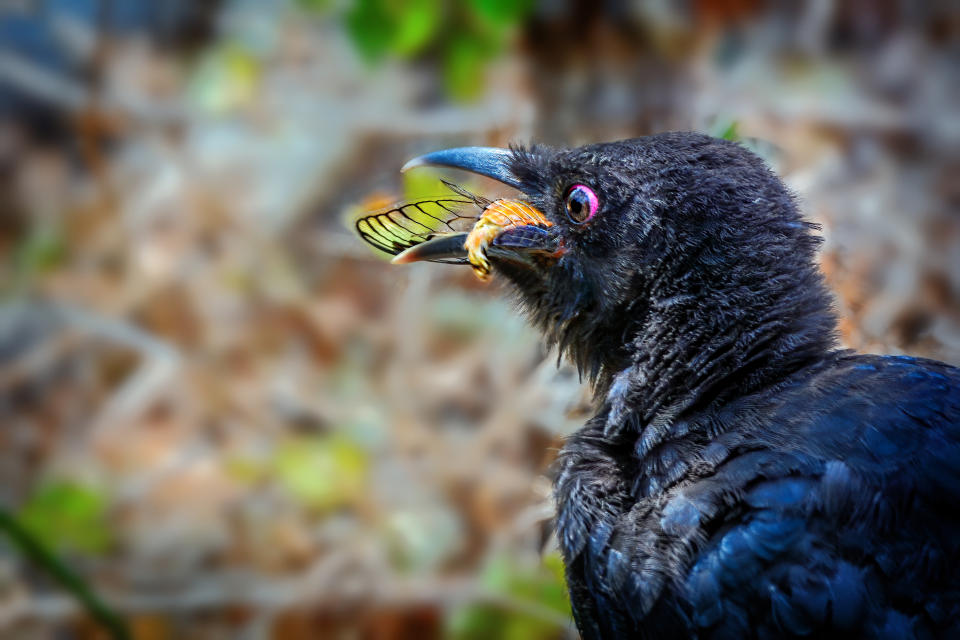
{"x": 462, "y": 229}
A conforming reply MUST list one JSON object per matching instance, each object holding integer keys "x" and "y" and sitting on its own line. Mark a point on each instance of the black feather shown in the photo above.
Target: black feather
{"x": 742, "y": 478}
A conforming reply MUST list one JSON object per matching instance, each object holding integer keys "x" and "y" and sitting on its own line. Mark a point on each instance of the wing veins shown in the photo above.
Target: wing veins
{"x": 397, "y": 228}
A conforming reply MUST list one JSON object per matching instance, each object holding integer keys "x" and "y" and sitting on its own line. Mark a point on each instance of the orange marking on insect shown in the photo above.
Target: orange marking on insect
{"x": 495, "y": 219}
{"x": 377, "y": 200}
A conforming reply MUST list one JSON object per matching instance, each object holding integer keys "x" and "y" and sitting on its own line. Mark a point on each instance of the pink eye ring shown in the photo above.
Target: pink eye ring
{"x": 581, "y": 203}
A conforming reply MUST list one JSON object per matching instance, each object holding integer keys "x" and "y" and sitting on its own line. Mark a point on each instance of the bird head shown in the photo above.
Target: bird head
{"x": 655, "y": 249}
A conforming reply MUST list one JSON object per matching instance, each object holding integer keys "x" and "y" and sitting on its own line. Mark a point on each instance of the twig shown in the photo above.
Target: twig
{"x": 159, "y": 366}
{"x": 39, "y": 554}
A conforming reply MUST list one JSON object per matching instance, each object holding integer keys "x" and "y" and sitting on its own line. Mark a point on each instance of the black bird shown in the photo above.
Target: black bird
{"x": 743, "y": 477}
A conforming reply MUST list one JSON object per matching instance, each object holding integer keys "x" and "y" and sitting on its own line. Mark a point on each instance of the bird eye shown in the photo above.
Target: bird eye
{"x": 582, "y": 203}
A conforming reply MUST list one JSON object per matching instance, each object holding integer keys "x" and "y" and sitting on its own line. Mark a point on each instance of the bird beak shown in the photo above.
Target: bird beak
{"x": 527, "y": 245}
{"x": 440, "y": 248}
{"x": 485, "y": 161}
{"x": 523, "y": 243}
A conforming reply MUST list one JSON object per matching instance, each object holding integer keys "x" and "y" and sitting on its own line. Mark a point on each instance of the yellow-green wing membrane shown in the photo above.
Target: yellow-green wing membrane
{"x": 406, "y": 225}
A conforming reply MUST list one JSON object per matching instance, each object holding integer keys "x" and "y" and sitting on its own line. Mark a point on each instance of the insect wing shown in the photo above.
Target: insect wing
{"x": 525, "y": 237}
{"x": 406, "y": 225}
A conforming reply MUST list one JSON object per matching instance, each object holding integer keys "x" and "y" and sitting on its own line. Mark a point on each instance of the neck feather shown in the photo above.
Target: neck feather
{"x": 689, "y": 352}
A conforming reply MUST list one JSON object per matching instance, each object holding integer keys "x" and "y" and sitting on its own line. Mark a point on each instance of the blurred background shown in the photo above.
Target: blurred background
{"x": 223, "y": 416}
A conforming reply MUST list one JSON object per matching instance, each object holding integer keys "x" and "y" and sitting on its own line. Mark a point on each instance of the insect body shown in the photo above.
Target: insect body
{"x": 496, "y": 218}
{"x": 438, "y": 231}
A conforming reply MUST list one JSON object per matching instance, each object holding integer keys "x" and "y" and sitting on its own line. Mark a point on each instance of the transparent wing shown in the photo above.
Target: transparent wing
{"x": 406, "y": 225}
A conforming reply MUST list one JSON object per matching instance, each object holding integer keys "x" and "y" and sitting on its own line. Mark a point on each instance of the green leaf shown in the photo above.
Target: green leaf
{"x": 540, "y": 585}
{"x": 245, "y": 470}
{"x": 42, "y": 249}
{"x": 416, "y": 25}
{"x": 466, "y": 40}
{"x": 226, "y": 78}
{"x": 729, "y": 132}
{"x": 324, "y": 472}
{"x": 464, "y": 62}
{"x": 379, "y": 27}
{"x": 68, "y": 516}
{"x": 371, "y": 27}
{"x": 502, "y": 12}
